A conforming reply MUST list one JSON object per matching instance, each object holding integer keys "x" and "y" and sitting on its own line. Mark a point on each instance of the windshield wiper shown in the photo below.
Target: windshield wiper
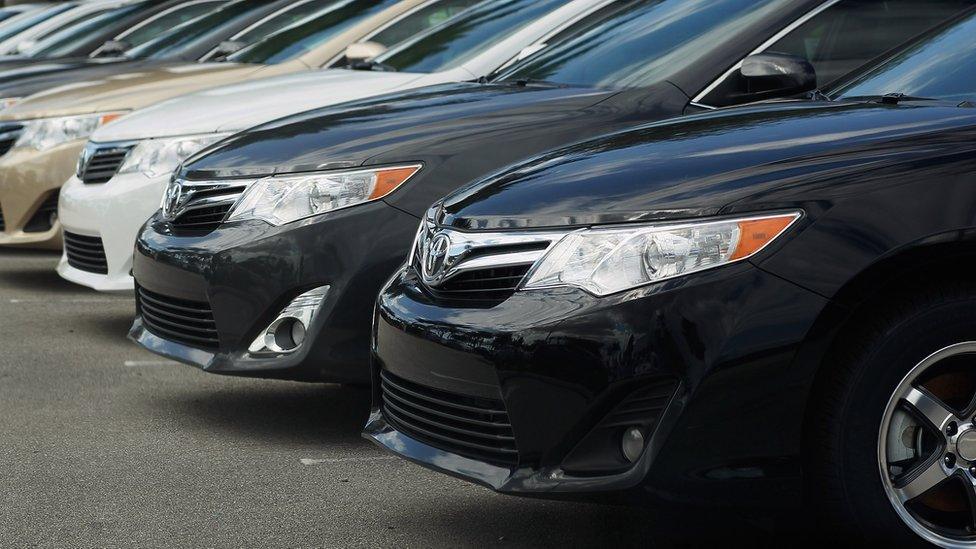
{"x": 897, "y": 97}
{"x": 372, "y": 66}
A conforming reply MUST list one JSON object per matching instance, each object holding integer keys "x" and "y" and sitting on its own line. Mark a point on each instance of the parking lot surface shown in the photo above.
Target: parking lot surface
{"x": 105, "y": 445}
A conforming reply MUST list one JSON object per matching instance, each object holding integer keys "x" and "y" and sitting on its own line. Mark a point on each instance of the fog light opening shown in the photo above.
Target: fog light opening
{"x": 289, "y": 334}
{"x": 632, "y": 444}
{"x": 290, "y": 329}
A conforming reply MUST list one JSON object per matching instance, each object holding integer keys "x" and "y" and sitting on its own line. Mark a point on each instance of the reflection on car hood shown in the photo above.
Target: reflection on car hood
{"x": 697, "y": 165}
{"x": 352, "y": 133}
{"x": 130, "y": 89}
{"x": 240, "y": 106}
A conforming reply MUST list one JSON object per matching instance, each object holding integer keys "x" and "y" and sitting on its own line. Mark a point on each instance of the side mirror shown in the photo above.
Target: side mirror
{"x": 226, "y": 48}
{"x": 363, "y": 51}
{"x": 769, "y": 75}
{"x": 111, "y": 48}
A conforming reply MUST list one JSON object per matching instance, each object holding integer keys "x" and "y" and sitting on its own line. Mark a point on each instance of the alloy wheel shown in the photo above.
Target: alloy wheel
{"x": 927, "y": 447}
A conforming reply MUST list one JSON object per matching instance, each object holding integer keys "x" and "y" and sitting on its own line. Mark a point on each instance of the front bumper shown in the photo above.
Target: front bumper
{"x": 28, "y": 180}
{"x": 113, "y": 212}
{"x": 561, "y": 361}
{"x": 247, "y": 272}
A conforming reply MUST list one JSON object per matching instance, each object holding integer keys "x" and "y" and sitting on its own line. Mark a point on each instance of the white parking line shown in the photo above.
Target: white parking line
{"x": 138, "y": 363}
{"x": 345, "y": 460}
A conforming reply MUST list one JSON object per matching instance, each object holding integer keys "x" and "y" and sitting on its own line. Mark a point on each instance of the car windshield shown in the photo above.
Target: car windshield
{"x": 306, "y": 35}
{"x": 65, "y": 42}
{"x": 173, "y": 42}
{"x": 298, "y": 11}
{"x": 642, "y": 43}
{"x": 942, "y": 65}
{"x": 165, "y": 21}
{"x": 465, "y": 36}
{"x": 427, "y": 17}
{"x": 16, "y": 26}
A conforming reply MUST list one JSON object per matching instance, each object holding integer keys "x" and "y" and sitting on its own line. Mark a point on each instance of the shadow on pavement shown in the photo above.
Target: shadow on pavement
{"x": 270, "y": 411}
{"x": 41, "y": 279}
{"x": 109, "y": 328}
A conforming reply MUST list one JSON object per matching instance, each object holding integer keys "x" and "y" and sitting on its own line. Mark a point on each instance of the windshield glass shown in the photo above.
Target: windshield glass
{"x": 306, "y": 35}
{"x": 465, "y": 36}
{"x": 287, "y": 17}
{"x": 173, "y": 42}
{"x": 642, "y": 43}
{"x": 66, "y": 41}
{"x": 165, "y": 21}
{"x": 940, "y": 66}
{"x": 419, "y": 21}
{"x": 16, "y": 26}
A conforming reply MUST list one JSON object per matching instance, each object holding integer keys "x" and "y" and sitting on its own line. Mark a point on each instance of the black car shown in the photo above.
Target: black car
{"x": 714, "y": 309}
{"x": 242, "y": 274}
{"x": 189, "y": 41}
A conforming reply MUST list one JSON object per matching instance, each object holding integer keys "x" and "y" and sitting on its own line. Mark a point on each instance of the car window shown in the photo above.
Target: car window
{"x": 419, "y": 21}
{"x": 166, "y": 20}
{"x": 13, "y": 28}
{"x": 849, "y": 34}
{"x": 642, "y": 43}
{"x": 940, "y": 66}
{"x": 67, "y": 40}
{"x": 279, "y": 20}
{"x": 306, "y": 35}
{"x": 466, "y": 36}
{"x": 173, "y": 42}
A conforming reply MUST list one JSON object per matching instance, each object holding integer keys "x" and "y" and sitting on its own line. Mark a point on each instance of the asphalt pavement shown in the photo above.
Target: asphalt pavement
{"x": 105, "y": 445}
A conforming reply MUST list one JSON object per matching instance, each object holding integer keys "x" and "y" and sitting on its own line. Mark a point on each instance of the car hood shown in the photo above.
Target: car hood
{"x": 28, "y": 80}
{"x": 459, "y": 132}
{"x": 14, "y": 68}
{"x": 699, "y": 164}
{"x": 128, "y": 90}
{"x": 240, "y": 106}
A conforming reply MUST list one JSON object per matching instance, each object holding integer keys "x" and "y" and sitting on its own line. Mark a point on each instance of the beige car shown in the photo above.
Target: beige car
{"x": 45, "y": 133}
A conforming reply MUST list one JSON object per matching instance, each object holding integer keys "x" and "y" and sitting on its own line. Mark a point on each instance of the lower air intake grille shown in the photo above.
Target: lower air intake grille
{"x": 189, "y": 322}
{"x": 477, "y": 428}
{"x": 45, "y": 216}
{"x": 85, "y": 253}
{"x": 103, "y": 164}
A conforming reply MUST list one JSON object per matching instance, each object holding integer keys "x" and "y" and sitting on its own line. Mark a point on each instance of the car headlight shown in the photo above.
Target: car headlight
{"x": 8, "y": 102}
{"x": 154, "y": 157}
{"x": 603, "y": 261}
{"x": 46, "y": 133}
{"x": 283, "y": 199}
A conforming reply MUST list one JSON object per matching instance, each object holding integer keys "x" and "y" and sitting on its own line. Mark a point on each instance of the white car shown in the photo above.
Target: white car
{"x": 127, "y": 164}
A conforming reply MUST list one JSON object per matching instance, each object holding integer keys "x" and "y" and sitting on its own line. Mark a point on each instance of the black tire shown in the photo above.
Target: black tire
{"x": 844, "y": 485}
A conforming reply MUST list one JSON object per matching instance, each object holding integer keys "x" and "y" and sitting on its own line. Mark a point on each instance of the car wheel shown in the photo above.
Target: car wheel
{"x": 892, "y": 438}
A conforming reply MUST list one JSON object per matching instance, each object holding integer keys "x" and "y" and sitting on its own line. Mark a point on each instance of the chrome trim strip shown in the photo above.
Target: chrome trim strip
{"x": 454, "y": 256}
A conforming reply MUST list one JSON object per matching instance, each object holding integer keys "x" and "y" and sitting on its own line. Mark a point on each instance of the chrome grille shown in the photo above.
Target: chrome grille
{"x": 200, "y": 206}
{"x": 100, "y": 162}
{"x": 477, "y": 269}
{"x": 181, "y": 320}
{"x": 86, "y": 253}
{"x": 474, "y": 427}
